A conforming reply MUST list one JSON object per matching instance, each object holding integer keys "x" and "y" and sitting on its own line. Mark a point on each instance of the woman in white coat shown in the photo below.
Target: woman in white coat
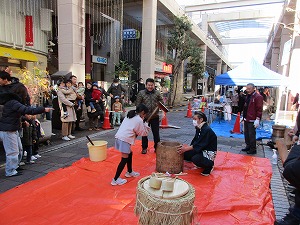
{"x": 68, "y": 121}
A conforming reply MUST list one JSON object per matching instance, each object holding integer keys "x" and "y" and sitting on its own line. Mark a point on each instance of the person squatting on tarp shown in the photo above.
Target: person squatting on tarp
{"x": 150, "y": 97}
{"x": 203, "y": 149}
{"x": 252, "y": 115}
{"x": 132, "y": 126}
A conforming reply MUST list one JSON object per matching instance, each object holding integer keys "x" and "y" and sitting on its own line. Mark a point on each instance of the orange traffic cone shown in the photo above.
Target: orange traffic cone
{"x": 106, "y": 123}
{"x": 164, "y": 121}
{"x": 189, "y": 113}
{"x": 237, "y": 125}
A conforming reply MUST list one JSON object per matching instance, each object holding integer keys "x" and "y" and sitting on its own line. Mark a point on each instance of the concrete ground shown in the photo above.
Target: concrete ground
{"x": 62, "y": 154}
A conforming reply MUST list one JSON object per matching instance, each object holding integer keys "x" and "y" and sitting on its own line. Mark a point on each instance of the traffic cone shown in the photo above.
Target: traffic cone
{"x": 106, "y": 123}
{"x": 189, "y": 113}
{"x": 237, "y": 125}
{"x": 164, "y": 121}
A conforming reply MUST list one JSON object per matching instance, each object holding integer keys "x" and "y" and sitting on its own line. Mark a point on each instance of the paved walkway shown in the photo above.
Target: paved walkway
{"x": 62, "y": 154}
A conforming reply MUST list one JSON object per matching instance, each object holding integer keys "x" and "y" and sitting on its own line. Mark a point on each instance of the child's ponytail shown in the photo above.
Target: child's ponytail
{"x": 140, "y": 108}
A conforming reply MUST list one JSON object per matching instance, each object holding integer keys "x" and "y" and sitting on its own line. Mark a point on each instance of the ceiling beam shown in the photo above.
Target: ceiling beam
{"x": 231, "y": 41}
{"x": 214, "y": 31}
{"x": 240, "y": 15}
{"x": 229, "y": 4}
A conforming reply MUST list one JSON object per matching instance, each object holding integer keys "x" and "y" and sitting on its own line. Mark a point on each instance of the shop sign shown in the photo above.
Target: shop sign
{"x": 167, "y": 68}
{"x": 99, "y": 59}
{"x": 28, "y": 31}
{"x": 163, "y": 67}
{"x": 131, "y": 34}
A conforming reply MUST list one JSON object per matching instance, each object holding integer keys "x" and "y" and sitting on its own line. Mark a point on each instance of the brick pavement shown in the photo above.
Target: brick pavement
{"x": 62, "y": 154}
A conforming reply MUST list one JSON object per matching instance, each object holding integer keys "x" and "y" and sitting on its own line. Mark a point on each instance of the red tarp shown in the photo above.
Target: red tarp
{"x": 237, "y": 192}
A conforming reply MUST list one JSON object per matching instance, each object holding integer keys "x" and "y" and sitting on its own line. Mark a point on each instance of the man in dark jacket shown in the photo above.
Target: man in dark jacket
{"x": 139, "y": 86}
{"x": 150, "y": 97}
{"x": 116, "y": 89}
{"x": 203, "y": 149}
{"x": 252, "y": 114}
{"x": 10, "y": 123}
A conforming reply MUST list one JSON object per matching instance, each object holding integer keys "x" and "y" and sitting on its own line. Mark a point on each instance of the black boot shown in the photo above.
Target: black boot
{"x": 289, "y": 219}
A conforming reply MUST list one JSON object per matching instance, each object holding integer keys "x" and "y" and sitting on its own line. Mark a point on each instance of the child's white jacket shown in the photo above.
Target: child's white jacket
{"x": 131, "y": 128}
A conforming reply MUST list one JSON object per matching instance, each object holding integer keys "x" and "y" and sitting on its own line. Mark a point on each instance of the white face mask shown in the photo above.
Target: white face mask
{"x": 195, "y": 123}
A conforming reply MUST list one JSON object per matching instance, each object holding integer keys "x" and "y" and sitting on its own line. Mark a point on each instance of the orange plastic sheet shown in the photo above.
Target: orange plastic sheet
{"x": 237, "y": 192}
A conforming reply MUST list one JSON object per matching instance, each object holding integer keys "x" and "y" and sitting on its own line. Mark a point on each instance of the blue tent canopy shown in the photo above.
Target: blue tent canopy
{"x": 250, "y": 72}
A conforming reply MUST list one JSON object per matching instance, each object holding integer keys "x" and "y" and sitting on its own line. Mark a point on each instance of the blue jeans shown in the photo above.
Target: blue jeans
{"x": 92, "y": 105}
{"x": 116, "y": 117}
{"x": 10, "y": 143}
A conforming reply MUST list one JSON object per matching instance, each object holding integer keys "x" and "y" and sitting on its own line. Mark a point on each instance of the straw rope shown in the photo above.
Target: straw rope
{"x": 152, "y": 210}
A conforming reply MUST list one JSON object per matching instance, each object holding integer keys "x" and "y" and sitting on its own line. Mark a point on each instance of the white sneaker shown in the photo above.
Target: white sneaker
{"x": 65, "y": 138}
{"x": 21, "y": 164}
{"x": 71, "y": 136}
{"x": 132, "y": 174}
{"x": 25, "y": 153}
{"x": 37, "y": 156}
{"x": 119, "y": 181}
{"x": 33, "y": 158}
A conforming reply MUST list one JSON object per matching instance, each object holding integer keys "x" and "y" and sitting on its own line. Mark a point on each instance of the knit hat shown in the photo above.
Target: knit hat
{"x": 117, "y": 97}
{"x": 95, "y": 84}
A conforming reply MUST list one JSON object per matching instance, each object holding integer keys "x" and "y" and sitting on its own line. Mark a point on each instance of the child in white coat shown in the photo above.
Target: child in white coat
{"x": 132, "y": 126}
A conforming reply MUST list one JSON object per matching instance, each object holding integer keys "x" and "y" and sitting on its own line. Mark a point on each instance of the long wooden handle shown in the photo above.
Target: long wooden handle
{"x": 89, "y": 140}
{"x": 152, "y": 114}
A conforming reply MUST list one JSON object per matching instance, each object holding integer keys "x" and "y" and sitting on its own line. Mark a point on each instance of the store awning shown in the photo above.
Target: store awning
{"x": 17, "y": 54}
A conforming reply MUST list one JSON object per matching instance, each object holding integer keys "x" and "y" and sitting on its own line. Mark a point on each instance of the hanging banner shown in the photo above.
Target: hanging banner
{"x": 28, "y": 31}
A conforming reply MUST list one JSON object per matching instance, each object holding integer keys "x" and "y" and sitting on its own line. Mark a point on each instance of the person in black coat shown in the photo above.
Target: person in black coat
{"x": 139, "y": 86}
{"x": 93, "y": 117}
{"x": 203, "y": 149}
{"x": 10, "y": 123}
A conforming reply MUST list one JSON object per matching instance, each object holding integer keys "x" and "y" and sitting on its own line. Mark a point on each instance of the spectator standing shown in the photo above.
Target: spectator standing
{"x": 93, "y": 117}
{"x": 96, "y": 95}
{"x": 139, "y": 86}
{"x": 241, "y": 103}
{"x": 67, "y": 122}
{"x": 80, "y": 91}
{"x": 29, "y": 137}
{"x": 235, "y": 102}
{"x": 116, "y": 89}
{"x": 10, "y": 122}
{"x": 252, "y": 114}
{"x": 150, "y": 97}
{"x": 39, "y": 134}
{"x": 117, "y": 108}
{"x": 73, "y": 78}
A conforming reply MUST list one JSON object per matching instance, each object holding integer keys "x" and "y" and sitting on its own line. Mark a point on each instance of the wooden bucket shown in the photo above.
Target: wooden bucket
{"x": 278, "y": 132}
{"x": 167, "y": 158}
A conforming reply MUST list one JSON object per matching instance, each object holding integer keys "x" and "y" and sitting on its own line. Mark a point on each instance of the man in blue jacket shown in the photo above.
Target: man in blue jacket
{"x": 203, "y": 149}
{"x": 10, "y": 122}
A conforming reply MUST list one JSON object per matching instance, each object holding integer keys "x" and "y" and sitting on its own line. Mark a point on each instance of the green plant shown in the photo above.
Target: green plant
{"x": 123, "y": 69}
{"x": 37, "y": 81}
{"x": 183, "y": 47}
